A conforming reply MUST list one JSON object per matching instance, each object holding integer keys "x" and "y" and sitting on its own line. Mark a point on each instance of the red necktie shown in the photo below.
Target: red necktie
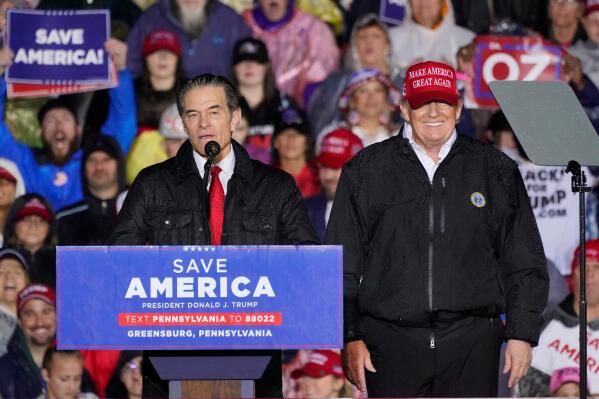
{"x": 217, "y": 205}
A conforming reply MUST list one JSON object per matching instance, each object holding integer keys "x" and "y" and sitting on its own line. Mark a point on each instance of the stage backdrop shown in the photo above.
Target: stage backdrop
{"x": 228, "y": 297}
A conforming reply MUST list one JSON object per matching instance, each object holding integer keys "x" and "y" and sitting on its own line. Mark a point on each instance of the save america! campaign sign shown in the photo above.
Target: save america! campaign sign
{"x": 204, "y": 297}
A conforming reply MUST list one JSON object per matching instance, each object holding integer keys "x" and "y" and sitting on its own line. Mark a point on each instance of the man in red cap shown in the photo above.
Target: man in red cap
{"x": 321, "y": 377}
{"x": 336, "y": 148}
{"x": 559, "y": 341}
{"x": 438, "y": 240}
{"x": 20, "y": 367}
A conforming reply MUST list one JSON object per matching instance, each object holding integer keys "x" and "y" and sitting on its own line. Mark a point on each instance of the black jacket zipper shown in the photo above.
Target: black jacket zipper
{"x": 444, "y": 186}
{"x": 431, "y": 236}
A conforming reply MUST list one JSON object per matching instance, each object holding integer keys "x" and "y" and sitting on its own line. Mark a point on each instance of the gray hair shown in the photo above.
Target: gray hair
{"x": 209, "y": 79}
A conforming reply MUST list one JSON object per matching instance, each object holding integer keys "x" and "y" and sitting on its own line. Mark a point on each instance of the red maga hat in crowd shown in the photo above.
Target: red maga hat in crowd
{"x": 429, "y": 81}
{"x": 320, "y": 364}
{"x": 34, "y": 207}
{"x": 5, "y": 174}
{"x": 161, "y": 39}
{"x": 338, "y": 147}
{"x": 590, "y": 6}
{"x": 591, "y": 251}
{"x": 36, "y": 291}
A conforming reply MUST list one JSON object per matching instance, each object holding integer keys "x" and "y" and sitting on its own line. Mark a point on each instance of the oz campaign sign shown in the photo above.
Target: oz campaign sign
{"x": 151, "y": 297}
{"x": 58, "y": 47}
{"x": 511, "y": 58}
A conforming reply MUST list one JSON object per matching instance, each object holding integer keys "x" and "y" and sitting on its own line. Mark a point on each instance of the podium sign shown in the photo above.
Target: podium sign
{"x": 199, "y": 297}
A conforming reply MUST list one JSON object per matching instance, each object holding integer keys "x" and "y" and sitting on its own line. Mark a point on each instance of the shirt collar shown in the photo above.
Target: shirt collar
{"x": 227, "y": 165}
{"x": 407, "y": 133}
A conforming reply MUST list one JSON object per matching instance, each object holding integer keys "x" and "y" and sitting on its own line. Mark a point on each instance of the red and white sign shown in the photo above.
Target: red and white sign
{"x": 24, "y": 90}
{"x": 510, "y": 58}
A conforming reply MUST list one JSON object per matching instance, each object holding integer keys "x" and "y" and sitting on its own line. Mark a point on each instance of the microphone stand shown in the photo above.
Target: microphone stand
{"x": 579, "y": 185}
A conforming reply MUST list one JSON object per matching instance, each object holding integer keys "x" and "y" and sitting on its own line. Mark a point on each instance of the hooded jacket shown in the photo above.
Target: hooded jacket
{"x": 210, "y": 52}
{"x": 415, "y": 253}
{"x": 413, "y": 42}
{"x": 302, "y": 51}
{"x": 89, "y": 222}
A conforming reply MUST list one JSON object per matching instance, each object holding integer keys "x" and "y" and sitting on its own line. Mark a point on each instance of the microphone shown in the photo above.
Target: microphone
{"x": 212, "y": 148}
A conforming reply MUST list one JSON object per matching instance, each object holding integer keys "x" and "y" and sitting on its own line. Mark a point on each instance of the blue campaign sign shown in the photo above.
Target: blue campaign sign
{"x": 171, "y": 297}
{"x": 58, "y": 47}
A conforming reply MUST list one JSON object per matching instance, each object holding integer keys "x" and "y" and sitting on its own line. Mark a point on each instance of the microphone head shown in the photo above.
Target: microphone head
{"x": 212, "y": 148}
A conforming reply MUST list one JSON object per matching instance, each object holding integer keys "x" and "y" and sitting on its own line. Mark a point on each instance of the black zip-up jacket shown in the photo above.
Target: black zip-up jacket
{"x": 166, "y": 203}
{"x": 416, "y": 252}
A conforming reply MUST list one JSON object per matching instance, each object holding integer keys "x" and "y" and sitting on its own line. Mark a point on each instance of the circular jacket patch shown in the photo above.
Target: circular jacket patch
{"x": 478, "y": 199}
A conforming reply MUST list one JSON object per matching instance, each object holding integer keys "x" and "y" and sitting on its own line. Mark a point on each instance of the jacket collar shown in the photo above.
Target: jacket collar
{"x": 185, "y": 165}
{"x": 404, "y": 146}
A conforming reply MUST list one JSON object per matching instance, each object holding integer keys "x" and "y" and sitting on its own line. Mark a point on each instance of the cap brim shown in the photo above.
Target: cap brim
{"x": 417, "y": 100}
{"x": 333, "y": 163}
{"x": 251, "y": 57}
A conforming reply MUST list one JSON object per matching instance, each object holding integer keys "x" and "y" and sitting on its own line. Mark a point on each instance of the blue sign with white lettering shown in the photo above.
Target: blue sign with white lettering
{"x": 58, "y": 47}
{"x": 173, "y": 297}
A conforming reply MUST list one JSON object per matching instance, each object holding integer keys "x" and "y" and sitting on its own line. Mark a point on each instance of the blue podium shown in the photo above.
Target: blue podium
{"x": 188, "y": 298}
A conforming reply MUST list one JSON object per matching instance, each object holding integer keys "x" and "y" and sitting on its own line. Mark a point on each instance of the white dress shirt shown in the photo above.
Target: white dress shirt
{"x": 427, "y": 162}
{"x": 227, "y": 166}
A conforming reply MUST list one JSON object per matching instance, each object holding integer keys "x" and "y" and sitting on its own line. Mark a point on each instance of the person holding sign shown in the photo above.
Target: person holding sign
{"x": 439, "y": 239}
{"x": 249, "y": 203}
{"x": 54, "y": 170}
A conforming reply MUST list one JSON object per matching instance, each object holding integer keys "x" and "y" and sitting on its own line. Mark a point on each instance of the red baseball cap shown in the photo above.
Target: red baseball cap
{"x": 161, "y": 39}
{"x": 5, "y": 174}
{"x": 428, "y": 81}
{"x": 34, "y": 207}
{"x": 321, "y": 363}
{"x": 338, "y": 147}
{"x": 36, "y": 291}
{"x": 590, "y": 6}
{"x": 591, "y": 251}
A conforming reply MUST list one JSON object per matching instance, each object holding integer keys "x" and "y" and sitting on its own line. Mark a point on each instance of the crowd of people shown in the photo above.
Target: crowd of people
{"x": 316, "y": 86}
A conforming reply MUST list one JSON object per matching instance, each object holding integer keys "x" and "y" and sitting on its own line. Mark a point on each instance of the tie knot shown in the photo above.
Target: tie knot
{"x": 215, "y": 171}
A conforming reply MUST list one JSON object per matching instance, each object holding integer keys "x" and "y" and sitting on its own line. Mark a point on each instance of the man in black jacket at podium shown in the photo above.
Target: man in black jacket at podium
{"x": 249, "y": 203}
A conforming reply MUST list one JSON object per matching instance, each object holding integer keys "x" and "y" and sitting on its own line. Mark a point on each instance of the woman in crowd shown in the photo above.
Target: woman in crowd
{"x": 161, "y": 77}
{"x": 11, "y": 187}
{"x": 254, "y": 77}
{"x": 31, "y": 229}
{"x": 367, "y": 104}
{"x": 126, "y": 382}
{"x": 370, "y": 47}
{"x": 14, "y": 276}
{"x": 564, "y": 22}
{"x": 292, "y": 151}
